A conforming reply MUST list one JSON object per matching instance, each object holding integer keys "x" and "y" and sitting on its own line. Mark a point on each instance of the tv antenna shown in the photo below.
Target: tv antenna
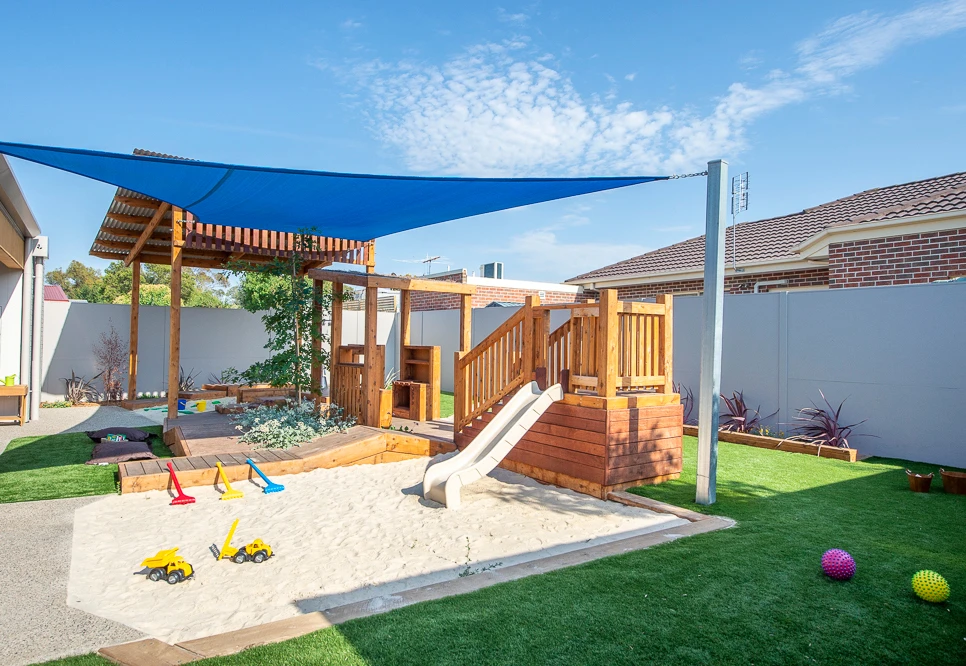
{"x": 739, "y": 203}
{"x": 429, "y": 260}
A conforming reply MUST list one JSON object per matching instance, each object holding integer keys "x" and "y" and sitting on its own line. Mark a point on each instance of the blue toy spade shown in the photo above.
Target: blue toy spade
{"x": 270, "y": 486}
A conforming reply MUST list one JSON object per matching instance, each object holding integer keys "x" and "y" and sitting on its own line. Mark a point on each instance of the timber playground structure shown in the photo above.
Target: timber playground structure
{"x": 619, "y": 423}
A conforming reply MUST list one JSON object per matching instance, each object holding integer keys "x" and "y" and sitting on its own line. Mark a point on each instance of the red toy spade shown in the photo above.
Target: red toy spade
{"x": 181, "y": 498}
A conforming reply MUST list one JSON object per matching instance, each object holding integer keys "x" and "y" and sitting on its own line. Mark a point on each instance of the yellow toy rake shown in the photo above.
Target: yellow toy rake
{"x": 230, "y": 493}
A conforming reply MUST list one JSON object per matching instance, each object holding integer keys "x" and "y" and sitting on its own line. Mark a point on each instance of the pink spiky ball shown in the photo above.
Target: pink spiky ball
{"x": 838, "y": 564}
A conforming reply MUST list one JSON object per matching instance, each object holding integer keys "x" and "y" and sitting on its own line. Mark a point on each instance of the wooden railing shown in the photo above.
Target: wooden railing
{"x": 489, "y": 371}
{"x": 558, "y": 351}
{"x": 603, "y": 348}
{"x": 345, "y": 385}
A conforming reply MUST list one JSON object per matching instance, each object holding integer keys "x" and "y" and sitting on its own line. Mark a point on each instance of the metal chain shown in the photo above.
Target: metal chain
{"x": 688, "y": 175}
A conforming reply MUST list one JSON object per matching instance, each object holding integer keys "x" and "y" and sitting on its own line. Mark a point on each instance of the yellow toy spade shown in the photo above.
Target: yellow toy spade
{"x": 230, "y": 493}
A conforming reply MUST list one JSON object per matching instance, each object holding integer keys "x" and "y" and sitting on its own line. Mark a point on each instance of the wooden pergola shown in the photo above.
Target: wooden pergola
{"x": 139, "y": 229}
{"x": 371, "y": 373}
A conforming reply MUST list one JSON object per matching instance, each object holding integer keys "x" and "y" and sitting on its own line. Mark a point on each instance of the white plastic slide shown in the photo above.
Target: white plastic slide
{"x": 443, "y": 481}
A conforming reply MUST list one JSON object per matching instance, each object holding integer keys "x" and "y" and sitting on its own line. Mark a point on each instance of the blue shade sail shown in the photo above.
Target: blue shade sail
{"x": 341, "y": 205}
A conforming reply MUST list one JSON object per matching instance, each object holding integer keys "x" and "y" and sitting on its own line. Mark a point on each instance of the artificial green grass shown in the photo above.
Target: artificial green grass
{"x": 753, "y": 594}
{"x": 445, "y": 404}
{"x": 52, "y": 467}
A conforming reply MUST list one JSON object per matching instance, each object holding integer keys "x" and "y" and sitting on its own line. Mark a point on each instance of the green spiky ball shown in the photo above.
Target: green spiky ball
{"x": 930, "y": 586}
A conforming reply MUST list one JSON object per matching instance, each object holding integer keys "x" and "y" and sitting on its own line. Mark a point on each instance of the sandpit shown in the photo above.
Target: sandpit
{"x": 341, "y": 535}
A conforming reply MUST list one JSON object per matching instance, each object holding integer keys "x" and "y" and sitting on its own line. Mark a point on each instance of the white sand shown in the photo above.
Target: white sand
{"x": 341, "y": 535}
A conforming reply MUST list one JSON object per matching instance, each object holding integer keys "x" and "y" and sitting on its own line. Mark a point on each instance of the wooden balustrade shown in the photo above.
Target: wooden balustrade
{"x": 603, "y": 348}
{"x": 496, "y": 366}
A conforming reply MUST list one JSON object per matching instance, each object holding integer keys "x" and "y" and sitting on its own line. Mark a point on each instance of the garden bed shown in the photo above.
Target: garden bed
{"x": 762, "y": 442}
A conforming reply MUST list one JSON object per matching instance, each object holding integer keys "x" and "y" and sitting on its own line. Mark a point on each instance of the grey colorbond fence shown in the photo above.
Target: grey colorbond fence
{"x": 896, "y": 353}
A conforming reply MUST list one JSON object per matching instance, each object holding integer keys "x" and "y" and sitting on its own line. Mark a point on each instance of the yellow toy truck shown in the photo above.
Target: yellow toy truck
{"x": 168, "y": 565}
{"x": 257, "y": 551}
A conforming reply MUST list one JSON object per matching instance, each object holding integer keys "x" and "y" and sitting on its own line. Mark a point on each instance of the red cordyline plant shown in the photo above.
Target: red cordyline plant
{"x": 823, "y": 427}
{"x": 687, "y": 401}
{"x": 740, "y": 418}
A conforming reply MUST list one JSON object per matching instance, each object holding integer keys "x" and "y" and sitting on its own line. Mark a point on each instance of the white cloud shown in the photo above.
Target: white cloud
{"x": 502, "y": 109}
{"x": 350, "y": 24}
{"x": 505, "y": 16}
{"x": 631, "y": 76}
{"x": 548, "y": 257}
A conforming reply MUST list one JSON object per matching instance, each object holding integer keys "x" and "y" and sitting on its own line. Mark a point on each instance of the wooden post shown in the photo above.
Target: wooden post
{"x": 541, "y": 346}
{"x": 667, "y": 341}
{"x": 370, "y": 250}
{"x": 174, "y": 332}
{"x": 405, "y": 307}
{"x": 371, "y": 382}
{"x": 335, "y": 338}
{"x": 466, "y": 322}
{"x": 459, "y": 392}
{"x": 607, "y": 344}
{"x": 316, "y": 374}
{"x": 532, "y": 301}
{"x": 132, "y": 355}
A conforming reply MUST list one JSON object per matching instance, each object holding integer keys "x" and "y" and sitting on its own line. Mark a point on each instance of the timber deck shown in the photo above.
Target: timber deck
{"x": 199, "y": 454}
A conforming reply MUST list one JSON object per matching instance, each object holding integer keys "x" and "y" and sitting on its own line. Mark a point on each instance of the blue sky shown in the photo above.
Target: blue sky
{"x": 817, "y": 100}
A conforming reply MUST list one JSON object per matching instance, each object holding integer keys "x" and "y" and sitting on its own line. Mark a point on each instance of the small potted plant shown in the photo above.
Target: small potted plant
{"x": 919, "y": 483}
{"x": 953, "y": 482}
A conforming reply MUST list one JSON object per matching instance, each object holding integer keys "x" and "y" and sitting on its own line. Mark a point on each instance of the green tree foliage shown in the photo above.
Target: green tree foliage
{"x": 291, "y": 308}
{"x": 79, "y": 282}
{"x": 199, "y": 288}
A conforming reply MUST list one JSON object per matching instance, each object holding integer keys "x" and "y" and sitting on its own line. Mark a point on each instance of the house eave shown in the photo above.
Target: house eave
{"x": 817, "y": 246}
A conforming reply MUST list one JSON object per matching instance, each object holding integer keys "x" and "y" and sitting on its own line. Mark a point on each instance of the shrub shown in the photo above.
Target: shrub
{"x": 56, "y": 404}
{"x": 186, "y": 382}
{"x": 740, "y": 418}
{"x": 822, "y": 426}
{"x": 687, "y": 402}
{"x": 284, "y": 427}
{"x": 110, "y": 354}
{"x": 79, "y": 389}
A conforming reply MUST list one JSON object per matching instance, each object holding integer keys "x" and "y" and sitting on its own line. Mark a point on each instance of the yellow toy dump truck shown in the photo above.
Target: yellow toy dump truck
{"x": 168, "y": 565}
{"x": 257, "y": 551}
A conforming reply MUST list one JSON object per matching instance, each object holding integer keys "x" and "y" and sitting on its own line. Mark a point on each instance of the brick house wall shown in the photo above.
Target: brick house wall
{"x": 896, "y": 260}
{"x": 485, "y": 294}
{"x": 734, "y": 284}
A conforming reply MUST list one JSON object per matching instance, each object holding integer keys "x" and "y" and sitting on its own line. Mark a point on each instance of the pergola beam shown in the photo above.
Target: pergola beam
{"x": 133, "y": 219}
{"x": 148, "y": 232}
{"x": 392, "y": 282}
{"x": 160, "y": 234}
{"x": 136, "y": 202}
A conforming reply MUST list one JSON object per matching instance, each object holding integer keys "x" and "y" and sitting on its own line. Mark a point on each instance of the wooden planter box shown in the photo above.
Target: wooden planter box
{"x": 142, "y": 403}
{"x": 776, "y": 444}
{"x": 385, "y": 408}
{"x": 205, "y": 394}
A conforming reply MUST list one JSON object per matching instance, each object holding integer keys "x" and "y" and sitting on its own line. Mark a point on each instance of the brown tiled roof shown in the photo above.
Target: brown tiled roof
{"x": 777, "y": 237}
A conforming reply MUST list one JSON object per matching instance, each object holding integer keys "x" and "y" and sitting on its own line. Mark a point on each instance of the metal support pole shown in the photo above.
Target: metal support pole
{"x": 710, "y": 389}
{"x": 36, "y": 347}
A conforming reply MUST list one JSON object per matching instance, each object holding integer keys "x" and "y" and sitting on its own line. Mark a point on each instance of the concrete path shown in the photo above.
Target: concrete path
{"x": 35, "y": 621}
{"x": 72, "y": 419}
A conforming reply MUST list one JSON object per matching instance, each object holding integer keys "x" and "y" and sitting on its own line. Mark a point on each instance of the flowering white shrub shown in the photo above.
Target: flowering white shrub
{"x": 283, "y": 427}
